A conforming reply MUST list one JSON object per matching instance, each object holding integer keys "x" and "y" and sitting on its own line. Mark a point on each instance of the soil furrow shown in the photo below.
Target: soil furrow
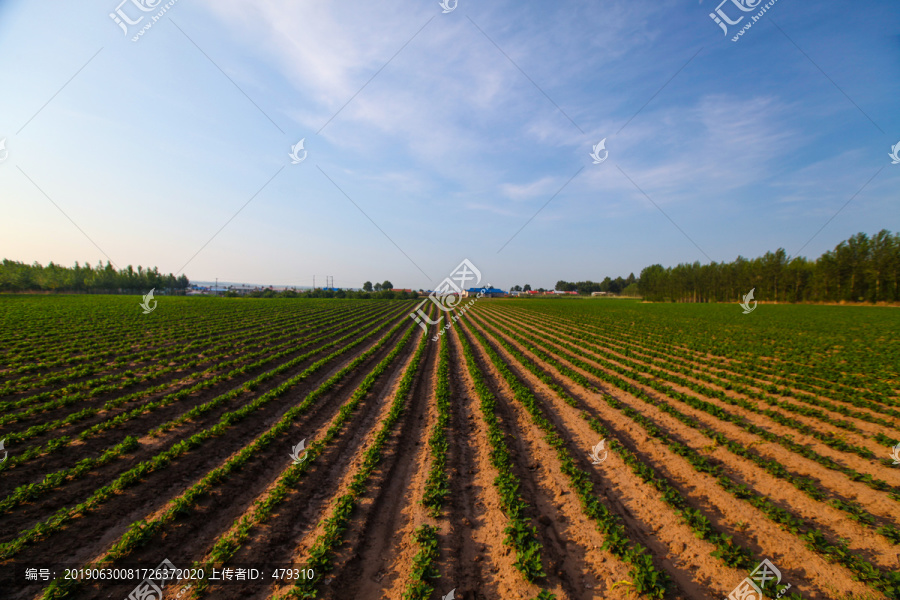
{"x": 79, "y": 542}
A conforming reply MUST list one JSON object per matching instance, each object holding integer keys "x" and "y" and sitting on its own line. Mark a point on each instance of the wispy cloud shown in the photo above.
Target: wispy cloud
{"x": 453, "y": 140}
{"x": 541, "y": 187}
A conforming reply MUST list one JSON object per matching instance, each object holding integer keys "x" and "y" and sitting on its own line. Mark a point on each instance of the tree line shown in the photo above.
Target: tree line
{"x": 527, "y": 288}
{"x": 386, "y": 286}
{"x": 20, "y": 277}
{"x": 859, "y": 269}
{"x": 617, "y": 286}
{"x": 382, "y": 294}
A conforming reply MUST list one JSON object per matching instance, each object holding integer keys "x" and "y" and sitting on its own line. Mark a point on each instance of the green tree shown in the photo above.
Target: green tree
{"x": 16, "y": 276}
{"x": 387, "y": 285}
{"x": 367, "y": 286}
{"x": 653, "y": 282}
{"x": 631, "y": 290}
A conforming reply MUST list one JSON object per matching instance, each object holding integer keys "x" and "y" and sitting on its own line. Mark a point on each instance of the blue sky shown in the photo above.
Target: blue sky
{"x": 481, "y": 117}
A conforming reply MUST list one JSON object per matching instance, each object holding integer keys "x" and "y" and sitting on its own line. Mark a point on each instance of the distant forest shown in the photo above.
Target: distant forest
{"x": 19, "y": 277}
{"x": 625, "y": 287}
{"x": 860, "y": 269}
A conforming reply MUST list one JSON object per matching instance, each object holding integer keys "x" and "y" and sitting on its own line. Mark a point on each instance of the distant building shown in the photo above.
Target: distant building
{"x": 599, "y": 293}
{"x": 488, "y": 293}
{"x": 243, "y": 290}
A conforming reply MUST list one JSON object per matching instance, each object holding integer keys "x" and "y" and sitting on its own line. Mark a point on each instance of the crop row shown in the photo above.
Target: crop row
{"x": 521, "y": 534}
{"x": 807, "y": 485}
{"x": 165, "y": 362}
{"x": 30, "y": 492}
{"x": 437, "y": 486}
{"x": 887, "y": 582}
{"x": 164, "y": 458}
{"x": 709, "y": 408}
{"x": 123, "y": 344}
{"x": 98, "y": 347}
{"x": 140, "y": 532}
{"x": 208, "y": 379}
{"x": 713, "y": 372}
{"x": 211, "y": 352}
{"x": 647, "y": 579}
{"x": 188, "y": 343}
{"x": 425, "y": 538}
{"x": 856, "y": 374}
{"x": 85, "y": 390}
{"x": 731, "y": 553}
{"x": 633, "y": 372}
{"x": 227, "y": 544}
{"x": 828, "y": 438}
{"x": 321, "y": 554}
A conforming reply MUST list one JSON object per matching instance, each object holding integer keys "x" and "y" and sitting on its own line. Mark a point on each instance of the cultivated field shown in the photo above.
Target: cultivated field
{"x": 470, "y": 463}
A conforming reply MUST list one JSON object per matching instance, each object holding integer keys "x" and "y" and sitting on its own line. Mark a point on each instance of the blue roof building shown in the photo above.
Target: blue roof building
{"x": 488, "y": 292}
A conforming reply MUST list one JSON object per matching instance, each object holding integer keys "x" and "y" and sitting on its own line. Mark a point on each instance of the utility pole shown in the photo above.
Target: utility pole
{"x": 314, "y": 282}
{"x": 217, "y": 287}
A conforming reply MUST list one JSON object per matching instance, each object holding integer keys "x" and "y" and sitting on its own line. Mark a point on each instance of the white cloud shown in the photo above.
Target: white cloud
{"x": 545, "y": 186}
